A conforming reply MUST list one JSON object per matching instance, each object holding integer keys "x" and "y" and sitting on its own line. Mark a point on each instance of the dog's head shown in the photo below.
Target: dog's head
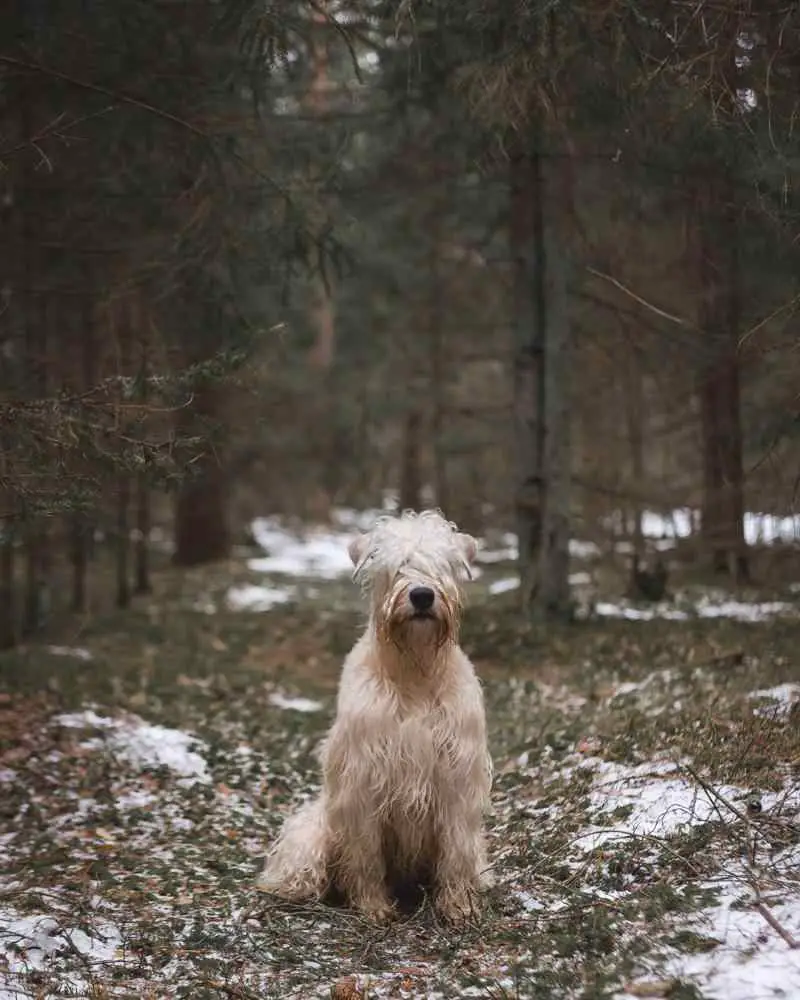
{"x": 413, "y": 567}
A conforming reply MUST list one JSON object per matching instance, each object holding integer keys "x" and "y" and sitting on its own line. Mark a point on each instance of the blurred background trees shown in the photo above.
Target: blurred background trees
{"x": 533, "y": 262}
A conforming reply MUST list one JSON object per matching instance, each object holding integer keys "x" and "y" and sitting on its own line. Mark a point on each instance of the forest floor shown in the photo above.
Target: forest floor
{"x": 646, "y": 806}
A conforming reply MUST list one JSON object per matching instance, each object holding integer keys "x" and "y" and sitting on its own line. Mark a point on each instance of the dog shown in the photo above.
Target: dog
{"x": 406, "y": 767}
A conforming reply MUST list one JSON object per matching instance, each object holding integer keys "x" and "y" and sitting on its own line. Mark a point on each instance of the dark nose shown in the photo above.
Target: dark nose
{"x": 421, "y": 598}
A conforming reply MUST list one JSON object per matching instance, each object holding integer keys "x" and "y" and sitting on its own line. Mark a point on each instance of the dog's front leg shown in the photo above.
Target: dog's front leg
{"x": 360, "y": 870}
{"x": 461, "y": 859}
{"x": 354, "y": 821}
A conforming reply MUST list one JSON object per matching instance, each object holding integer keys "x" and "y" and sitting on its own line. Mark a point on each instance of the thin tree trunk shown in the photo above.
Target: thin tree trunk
{"x": 143, "y": 525}
{"x": 411, "y": 471}
{"x": 8, "y": 630}
{"x": 81, "y": 526}
{"x": 142, "y": 487}
{"x": 527, "y": 253}
{"x": 79, "y": 529}
{"x": 323, "y": 314}
{"x": 35, "y": 535}
{"x": 202, "y": 533}
{"x": 438, "y": 379}
{"x": 123, "y": 541}
{"x": 126, "y": 333}
{"x": 553, "y": 599}
{"x": 35, "y": 347}
{"x": 722, "y": 519}
{"x": 632, "y": 391}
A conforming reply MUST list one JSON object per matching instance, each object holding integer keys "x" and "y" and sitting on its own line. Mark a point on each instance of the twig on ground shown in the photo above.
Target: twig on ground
{"x": 715, "y": 795}
{"x": 771, "y": 919}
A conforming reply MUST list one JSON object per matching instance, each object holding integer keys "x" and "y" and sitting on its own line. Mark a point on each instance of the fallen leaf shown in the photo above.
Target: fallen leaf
{"x": 346, "y": 989}
{"x": 650, "y": 988}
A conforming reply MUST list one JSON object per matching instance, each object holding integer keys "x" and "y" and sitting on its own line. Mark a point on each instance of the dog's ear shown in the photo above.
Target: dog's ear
{"x": 468, "y": 546}
{"x": 357, "y": 548}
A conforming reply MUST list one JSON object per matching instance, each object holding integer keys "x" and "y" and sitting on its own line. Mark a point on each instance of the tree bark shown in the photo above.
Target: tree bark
{"x": 553, "y": 600}
{"x": 123, "y": 541}
{"x": 542, "y": 404}
{"x": 722, "y": 515}
{"x": 81, "y": 526}
{"x": 8, "y": 630}
{"x": 202, "y": 532}
{"x": 635, "y": 416}
{"x": 411, "y": 469}
{"x": 527, "y": 252}
{"x": 141, "y": 583}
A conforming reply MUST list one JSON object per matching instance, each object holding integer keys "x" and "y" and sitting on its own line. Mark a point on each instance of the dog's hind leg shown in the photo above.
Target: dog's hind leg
{"x": 297, "y": 864}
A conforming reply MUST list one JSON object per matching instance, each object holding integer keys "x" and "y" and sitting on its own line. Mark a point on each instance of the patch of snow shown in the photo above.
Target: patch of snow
{"x": 84, "y": 720}
{"x": 705, "y": 606}
{"x": 249, "y": 597}
{"x": 505, "y": 585}
{"x": 759, "y": 528}
{"x": 751, "y": 961}
{"x": 280, "y": 700}
{"x": 583, "y": 550}
{"x": 508, "y": 554}
{"x": 29, "y": 942}
{"x": 76, "y": 652}
{"x": 677, "y": 524}
{"x": 609, "y": 609}
{"x": 628, "y": 687}
{"x": 660, "y": 801}
{"x": 205, "y": 606}
{"x": 783, "y": 697}
{"x": 318, "y": 552}
{"x": 7, "y": 776}
{"x": 142, "y": 744}
{"x": 741, "y": 610}
{"x": 529, "y": 902}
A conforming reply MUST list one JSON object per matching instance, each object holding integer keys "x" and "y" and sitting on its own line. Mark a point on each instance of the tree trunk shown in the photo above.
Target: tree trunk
{"x": 142, "y": 486}
{"x": 35, "y": 536}
{"x": 722, "y": 516}
{"x": 438, "y": 369}
{"x": 142, "y": 551}
{"x": 323, "y": 311}
{"x": 553, "y": 600}
{"x": 8, "y": 630}
{"x": 411, "y": 469}
{"x": 542, "y": 405}
{"x": 635, "y": 416}
{"x": 123, "y": 541}
{"x": 81, "y": 526}
{"x": 527, "y": 252}
{"x": 79, "y": 549}
{"x": 202, "y": 533}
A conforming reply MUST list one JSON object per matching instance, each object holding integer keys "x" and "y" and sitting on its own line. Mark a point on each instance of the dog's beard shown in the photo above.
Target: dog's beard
{"x": 418, "y": 634}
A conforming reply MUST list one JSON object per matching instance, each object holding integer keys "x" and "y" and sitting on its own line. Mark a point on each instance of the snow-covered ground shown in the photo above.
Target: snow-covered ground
{"x": 700, "y": 606}
{"x": 628, "y": 811}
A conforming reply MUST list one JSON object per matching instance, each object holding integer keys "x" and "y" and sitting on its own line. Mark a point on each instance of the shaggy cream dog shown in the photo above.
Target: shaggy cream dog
{"x": 406, "y": 768}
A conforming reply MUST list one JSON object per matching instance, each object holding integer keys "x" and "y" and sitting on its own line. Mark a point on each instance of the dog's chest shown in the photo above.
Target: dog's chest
{"x": 417, "y": 748}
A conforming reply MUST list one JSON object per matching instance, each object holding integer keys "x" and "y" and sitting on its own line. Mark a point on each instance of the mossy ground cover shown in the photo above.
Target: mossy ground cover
{"x": 644, "y": 829}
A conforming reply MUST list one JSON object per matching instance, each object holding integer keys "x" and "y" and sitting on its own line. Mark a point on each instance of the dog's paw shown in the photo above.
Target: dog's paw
{"x": 486, "y": 879}
{"x": 296, "y": 889}
{"x": 456, "y": 905}
{"x": 376, "y": 908}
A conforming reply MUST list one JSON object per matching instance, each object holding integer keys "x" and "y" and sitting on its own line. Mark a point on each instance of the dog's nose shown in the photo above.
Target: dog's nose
{"x": 421, "y": 598}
